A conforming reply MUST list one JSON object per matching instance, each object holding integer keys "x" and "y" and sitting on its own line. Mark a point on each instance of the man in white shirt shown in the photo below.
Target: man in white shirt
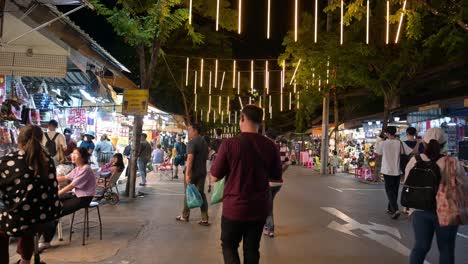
{"x": 390, "y": 150}
{"x": 53, "y": 140}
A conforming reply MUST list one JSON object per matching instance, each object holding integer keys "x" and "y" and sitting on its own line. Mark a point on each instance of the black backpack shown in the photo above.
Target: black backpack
{"x": 420, "y": 188}
{"x": 50, "y": 145}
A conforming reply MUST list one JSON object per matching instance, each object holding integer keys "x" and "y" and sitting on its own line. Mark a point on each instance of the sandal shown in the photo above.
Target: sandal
{"x": 204, "y": 223}
{"x": 182, "y": 219}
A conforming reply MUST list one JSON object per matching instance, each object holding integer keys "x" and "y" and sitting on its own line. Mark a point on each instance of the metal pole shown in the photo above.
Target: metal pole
{"x": 2, "y": 16}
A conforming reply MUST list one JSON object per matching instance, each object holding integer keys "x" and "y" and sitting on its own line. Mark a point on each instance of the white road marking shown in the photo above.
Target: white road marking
{"x": 462, "y": 235}
{"x": 390, "y": 240}
{"x": 336, "y": 189}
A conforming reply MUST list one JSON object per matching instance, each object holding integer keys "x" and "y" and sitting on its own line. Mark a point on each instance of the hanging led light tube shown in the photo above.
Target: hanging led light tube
{"x": 201, "y": 115}
{"x": 367, "y": 23}
{"x": 260, "y": 102}
{"x": 234, "y": 74}
{"x": 216, "y": 74}
{"x": 328, "y": 69}
{"x": 240, "y": 102}
{"x": 209, "y": 104}
{"x": 298, "y": 98}
{"x": 209, "y": 85}
{"x": 219, "y": 104}
{"x": 341, "y": 23}
{"x": 388, "y": 23}
{"x": 195, "y": 84}
{"x": 217, "y": 15}
{"x": 229, "y": 117}
{"x": 296, "y": 7}
{"x": 269, "y": 103}
{"x": 222, "y": 117}
{"x": 401, "y": 22}
{"x": 239, "y": 24}
{"x": 267, "y": 78}
{"x": 251, "y": 76}
{"x": 290, "y": 101}
{"x": 187, "y": 72}
{"x": 250, "y": 100}
{"x": 196, "y": 99}
{"x": 238, "y": 82}
{"x": 214, "y": 116}
{"x": 228, "y": 104}
{"x": 268, "y": 19}
{"x": 316, "y": 21}
{"x": 201, "y": 73}
{"x": 295, "y": 71}
{"x": 222, "y": 80}
{"x": 190, "y": 12}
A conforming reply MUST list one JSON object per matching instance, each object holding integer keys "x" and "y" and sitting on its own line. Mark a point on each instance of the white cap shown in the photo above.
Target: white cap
{"x": 435, "y": 133}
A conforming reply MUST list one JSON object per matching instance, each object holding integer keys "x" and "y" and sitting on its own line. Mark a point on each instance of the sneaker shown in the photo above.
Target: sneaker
{"x": 142, "y": 184}
{"x": 44, "y": 245}
{"x": 396, "y": 215}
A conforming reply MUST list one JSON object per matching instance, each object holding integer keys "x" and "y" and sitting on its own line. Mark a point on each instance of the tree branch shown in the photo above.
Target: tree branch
{"x": 435, "y": 12}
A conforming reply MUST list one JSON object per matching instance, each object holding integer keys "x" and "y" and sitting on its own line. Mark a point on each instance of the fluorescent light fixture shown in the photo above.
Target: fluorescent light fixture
{"x": 388, "y": 23}
{"x": 378, "y": 122}
{"x": 295, "y": 71}
{"x": 401, "y": 22}
{"x": 268, "y": 19}
{"x": 187, "y": 72}
{"x": 316, "y": 22}
{"x": 396, "y": 118}
{"x": 216, "y": 74}
{"x": 234, "y": 74}
{"x": 369, "y": 123}
{"x": 367, "y": 23}
{"x": 217, "y": 15}
{"x": 342, "y": 22}
{"x": 239, "y": 22}
{"x": 190, "y": 12}
{"x": 296, "y": 7}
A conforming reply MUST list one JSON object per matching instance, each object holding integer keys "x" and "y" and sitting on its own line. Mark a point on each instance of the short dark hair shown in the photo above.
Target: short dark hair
{"x": 411, "y": 131}
{"x": 144, "y": 135}
{"x": 391, "y": 130}
{"x": 197, "y": 127}
{"x": 53, "y": 123}
{"x": 253, "y": 113}
{"x": 219, "y": 132}
{"x": 158, "y": 146}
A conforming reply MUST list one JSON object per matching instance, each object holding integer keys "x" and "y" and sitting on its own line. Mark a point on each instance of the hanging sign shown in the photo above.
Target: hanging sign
{"x": 135, "y": 102}
{"x": 77, "y": 116}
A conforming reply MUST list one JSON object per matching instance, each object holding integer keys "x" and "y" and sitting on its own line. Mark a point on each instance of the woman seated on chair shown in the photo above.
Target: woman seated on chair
{"x": 77, "y": 194}
{"x": 23, "y": 204}
{"x": 116, "y": 164}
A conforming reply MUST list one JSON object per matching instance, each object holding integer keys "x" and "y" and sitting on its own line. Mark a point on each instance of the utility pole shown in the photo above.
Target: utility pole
{"x": 325, "y": 117}
{"x": 2, "y": 16}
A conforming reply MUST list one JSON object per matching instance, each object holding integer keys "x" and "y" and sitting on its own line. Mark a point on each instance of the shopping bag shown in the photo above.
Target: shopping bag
{"x": 452, "y": 196}
{"x": 218, "y": 192}
{"x": 149, "y": 166}
{"x": 194, "y": 198}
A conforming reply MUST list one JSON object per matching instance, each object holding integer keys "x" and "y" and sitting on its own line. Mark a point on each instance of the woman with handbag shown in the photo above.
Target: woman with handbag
{"x": 26, "y": 204}
{"x": 425, "y": 221}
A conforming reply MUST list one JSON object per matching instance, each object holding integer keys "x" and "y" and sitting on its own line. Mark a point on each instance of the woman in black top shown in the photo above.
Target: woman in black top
{"x": 29, "y": 192}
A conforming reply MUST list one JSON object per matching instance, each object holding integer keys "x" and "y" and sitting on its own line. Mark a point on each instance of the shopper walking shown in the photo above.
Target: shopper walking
{"x": 195, "y": 171}
{"x": 143, "y": 158}
{"x": 54, "y": 141}
{"x": 248, "y": 162}
{"x": 275, "y": 186}
{"x": 413, "y": 143}
{"x": 88, "y": 143}
{"x": 391, "y": 150}
{"x": 425, "y": 222}
{"x": 71, "y": 144}
{"x": 23, "y": 205}
{"x": 181, "y": 153}
{"x": 104, "y": 150}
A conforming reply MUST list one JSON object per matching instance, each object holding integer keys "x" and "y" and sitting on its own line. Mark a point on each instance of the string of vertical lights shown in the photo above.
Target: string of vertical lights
{"x": 187, "y": 72}
{"x": 388, "y": 23}
{"x": 217, "y": 15}
{"x": 401, "y": 22}
{"x": 267, "y": 78}
{"x": 195, "y": 90}
{"x": 341, "y": 23}
{"x": 268, "y": 19}
{"x": 239, "y": 25}
{"x": 367, "y": 22}
{"x": 216, "y": 74}
{"x": 251, "y": 80}
{"x": 190, "y": 12}
{"x": 316, "y": 21}
{"x": 283, "y": 72}
{"x": 201, "y": 73}
{"x": 209, "y": 95}
{"x": 234, "y": 74}
{"x": 296, "y": 7}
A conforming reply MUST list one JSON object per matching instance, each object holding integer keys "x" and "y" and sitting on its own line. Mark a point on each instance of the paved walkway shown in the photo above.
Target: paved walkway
{"x": 320, "y": 219}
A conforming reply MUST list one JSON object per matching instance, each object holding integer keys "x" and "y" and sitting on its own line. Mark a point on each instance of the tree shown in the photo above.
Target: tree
{"x": 148, "y": 26}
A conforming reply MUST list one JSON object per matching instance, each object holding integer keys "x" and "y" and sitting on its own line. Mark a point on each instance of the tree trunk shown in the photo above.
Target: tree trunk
{"x": 325, "y": 138}
{"x": 137, "y": 131}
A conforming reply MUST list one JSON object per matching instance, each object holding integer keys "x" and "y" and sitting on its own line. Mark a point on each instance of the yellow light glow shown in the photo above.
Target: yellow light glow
{"x": 401, "y": 22}
{"x": 269, "y": 103}
{"x": 316, "y": 21}
{"x": 267, "y": 78}
{"x": 240, "y": 102}
{"x": 239, "y": 23}
{"x": 341, "y": 23}
{"x": 201, "y": 73}
{"x": 268, "y": 22}
{"x": 238, "y": 82}
{"x": 228, "y": 105}
{"x": 290, "y": 101}
{"x": 252, "y": 76}
{"x": 260, "y": 102}
{"x": 295, "y": 71}
{"x": 229, "y": 117}
{"x": 217, "y": 15}
{"x": 190, "y": 13}
{"x": 367, "y": 23}
{"x": 328, "y": 69}
{"x": 281, "y": 102}
{"x": 201, "y": 115}
{"x": 222, "y": 117}
{"x": 222, "y": 80}
{"x": 296, "y": 7}
{"x": 234, "y": 74}
{"x": 187, "y": 72}
{"x": 216, "y": 74}
{"x": 298, "y": 98}
{"x": 195, "y": 84}
{"x": 219, "y": 104}
{"x": 209, "y": 86}
{"x": 388, "y": 22}
{"x": 209, "y": 104}
{"x": 196, "y": 98}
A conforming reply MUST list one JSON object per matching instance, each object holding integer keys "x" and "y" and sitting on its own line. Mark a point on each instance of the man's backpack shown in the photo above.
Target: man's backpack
{"x": 50, "y": 145}
{"x": 420, "y": 188}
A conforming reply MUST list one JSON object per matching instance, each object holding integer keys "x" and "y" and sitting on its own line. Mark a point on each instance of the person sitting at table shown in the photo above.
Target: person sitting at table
{"x": 76, "y": 195}
{"x": 116, "y": 164}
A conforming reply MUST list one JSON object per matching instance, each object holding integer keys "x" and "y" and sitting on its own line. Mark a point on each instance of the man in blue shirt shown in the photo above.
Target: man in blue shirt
{"x": 88, "y": 142}
{"x": 158, "y": 155}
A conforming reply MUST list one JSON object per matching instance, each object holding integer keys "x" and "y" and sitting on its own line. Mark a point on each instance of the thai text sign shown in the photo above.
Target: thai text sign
{"x": 77, "y": 116}
{"x": 135, "y": 102}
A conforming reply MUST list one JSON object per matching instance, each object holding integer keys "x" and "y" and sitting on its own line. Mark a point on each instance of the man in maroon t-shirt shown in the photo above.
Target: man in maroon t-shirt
{"x": 248, "y": 162}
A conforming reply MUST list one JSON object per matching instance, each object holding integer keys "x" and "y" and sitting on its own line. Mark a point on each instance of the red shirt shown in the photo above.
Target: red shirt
{"x": 246, "y": 190}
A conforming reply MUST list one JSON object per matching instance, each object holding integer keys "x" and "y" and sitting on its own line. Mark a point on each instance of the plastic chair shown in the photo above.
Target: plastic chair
{"x": 166, "y": 169}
